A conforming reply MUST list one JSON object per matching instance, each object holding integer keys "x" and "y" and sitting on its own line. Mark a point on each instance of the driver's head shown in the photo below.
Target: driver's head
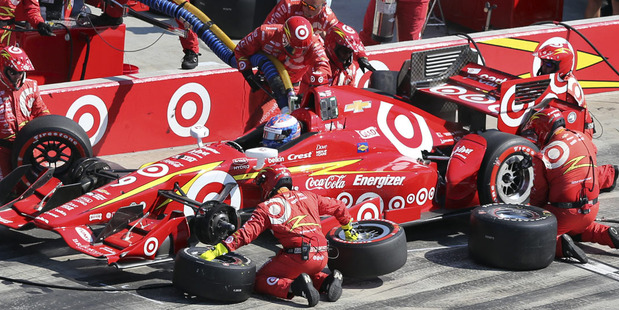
{"x": 15, "y": 64}
{"x": 298, "y": 35}
{"x": 342, "y": 43}
{"x": 541, "y": 125}
{"x": 272, "y": 178}
{"x": 280, "y": 129}
{"x": 312, "y": 8}
{"x": 556, "y": 58}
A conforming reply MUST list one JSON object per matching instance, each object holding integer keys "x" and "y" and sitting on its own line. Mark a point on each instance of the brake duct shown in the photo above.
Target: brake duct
{"x": 219, "y": 42}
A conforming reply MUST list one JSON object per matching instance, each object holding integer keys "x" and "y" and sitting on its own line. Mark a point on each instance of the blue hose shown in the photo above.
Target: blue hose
{"x": 212, "y": 41}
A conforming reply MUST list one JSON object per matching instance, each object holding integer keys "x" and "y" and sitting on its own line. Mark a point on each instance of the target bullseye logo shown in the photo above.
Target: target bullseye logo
{"x": 150, "y": 246}
{"x": 302, "y": 32}
{"x": 556, "y": 154}
{"x": 208, "y": 185}
{"x": 90, "y": 112}
{"x": 154, "y": 170}
{"x": 408, "y": 132}
{"x": 190, "y": 105}
{"x": 279, "y": 210}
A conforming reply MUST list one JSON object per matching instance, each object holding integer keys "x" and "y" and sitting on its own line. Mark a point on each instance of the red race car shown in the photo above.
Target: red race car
{"x": 418, "y": 157}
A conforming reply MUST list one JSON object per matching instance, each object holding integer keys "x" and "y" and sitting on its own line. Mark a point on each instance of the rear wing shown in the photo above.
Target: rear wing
{"x": 430, "y": 68}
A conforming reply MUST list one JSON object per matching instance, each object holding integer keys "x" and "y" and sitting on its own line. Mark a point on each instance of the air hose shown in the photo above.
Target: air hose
{"x": 218, "y": 41}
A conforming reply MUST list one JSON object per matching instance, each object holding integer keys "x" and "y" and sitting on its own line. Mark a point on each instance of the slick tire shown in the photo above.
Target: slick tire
{"x": 505, "y": 182}
{"x": 513, "y": 237}
{"x": 227, "y": 278}
{"x": 380, "y": 249}
{"x": 50, "y": 140}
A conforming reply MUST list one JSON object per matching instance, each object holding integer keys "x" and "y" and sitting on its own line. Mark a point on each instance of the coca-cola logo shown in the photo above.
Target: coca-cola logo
{"x": 330, "y": 182}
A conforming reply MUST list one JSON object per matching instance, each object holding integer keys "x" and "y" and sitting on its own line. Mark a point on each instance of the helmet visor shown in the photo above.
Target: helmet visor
{"x": 274, "y": 134}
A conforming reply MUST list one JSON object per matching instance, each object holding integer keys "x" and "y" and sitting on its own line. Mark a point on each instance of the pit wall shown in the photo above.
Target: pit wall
{"x": 132, "y": 113}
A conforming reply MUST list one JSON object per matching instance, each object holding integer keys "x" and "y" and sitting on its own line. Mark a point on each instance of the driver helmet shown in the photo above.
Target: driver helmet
{"x": 298, "y": 35}
{"x": 542, "y": 124}
{"x": 556, "y": 58}
{"x": 272, "y": 178}
{"x": 279, "y": 130}
{"x": 342, "y": 43}
{"x": 15, "y": 63}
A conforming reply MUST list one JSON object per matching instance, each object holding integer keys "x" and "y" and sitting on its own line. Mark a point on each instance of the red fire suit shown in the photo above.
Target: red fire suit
{"x": 17, "y": 107}
{"x": 411, "y": 15}
{"x": 288, "y": 8}
{"x": 10, "y": 10}
{"x": 268, "y": 39}
{"x": 565, "y": 172}
{"x": 294, "y": 217}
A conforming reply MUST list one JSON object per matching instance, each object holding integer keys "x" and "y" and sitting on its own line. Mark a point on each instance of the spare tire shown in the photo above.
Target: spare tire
{"x": 228, "y": 278}
{"x": 380, "y": 249}
{"x": 514, "y": 237}
{"x": 50, "y": 141}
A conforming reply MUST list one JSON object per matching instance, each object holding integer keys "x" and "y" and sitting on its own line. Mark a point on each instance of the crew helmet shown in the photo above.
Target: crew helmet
{"x": 272, "y": 178}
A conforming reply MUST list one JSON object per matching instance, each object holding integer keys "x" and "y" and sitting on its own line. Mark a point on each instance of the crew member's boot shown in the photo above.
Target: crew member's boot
{"x": 303, "y": 286}
{"x": 332, "y": 286}
{"x": 614, "y": 236}
{"x": 610, "y": 189}
{"x": 571, "y": 250}
{"x": 190, "y": 60}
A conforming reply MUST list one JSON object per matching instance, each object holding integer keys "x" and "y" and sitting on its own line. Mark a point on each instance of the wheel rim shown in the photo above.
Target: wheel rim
{"x": 515, "y": 214}
{"x": 52, "y": 153}
{"x": 368, "y": 232}
{"x": 513, "y": 184}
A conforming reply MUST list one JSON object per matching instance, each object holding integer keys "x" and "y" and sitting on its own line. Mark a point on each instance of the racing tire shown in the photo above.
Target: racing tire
{"x": 506, "y": 182}
{"x": 227, "y": 278}
{"x": 384, "y": 81}
{"x": 380, "y": 249}
{"x": 50, "y": 140}
{"x": 513, "y": 237}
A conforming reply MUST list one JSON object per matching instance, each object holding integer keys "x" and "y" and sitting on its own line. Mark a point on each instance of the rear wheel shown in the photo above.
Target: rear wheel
{"x": 506, "y": 173}
{"x": 514, "y": 237}
{"x": 380, "y": 249}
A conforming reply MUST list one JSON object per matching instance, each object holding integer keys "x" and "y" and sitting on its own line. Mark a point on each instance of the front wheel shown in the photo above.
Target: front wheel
{"x": 50, "y": 141}
{"x": 228, "y": 278}
{"x": 380, "y": 249}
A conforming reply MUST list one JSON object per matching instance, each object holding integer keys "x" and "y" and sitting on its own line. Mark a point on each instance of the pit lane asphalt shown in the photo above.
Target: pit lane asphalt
{"x": 438, "y": 273}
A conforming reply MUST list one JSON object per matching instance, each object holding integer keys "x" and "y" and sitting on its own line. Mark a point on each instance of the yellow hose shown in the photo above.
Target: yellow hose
{"x": 226, "y": 40}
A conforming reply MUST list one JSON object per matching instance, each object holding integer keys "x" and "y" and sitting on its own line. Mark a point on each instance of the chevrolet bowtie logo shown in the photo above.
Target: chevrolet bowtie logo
{"x": 357, "y": 106}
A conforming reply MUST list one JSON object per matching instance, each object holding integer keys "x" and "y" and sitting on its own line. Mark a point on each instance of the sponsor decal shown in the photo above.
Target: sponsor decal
{"x": 150, "y": 246}
{"x": 84, "y": 234}
{"x": 273, "y": 160}
{"x": 571, "y": 117}
{"x": 368, "y": 133}
{"x": 95, "y": 124}
{"x": 379, "y": 182}
{"x": 330, "y": 182}
{"x": 240, "y": 161}
{"x": 462, "y": 152}
{"x": 357, "y": 106}
{"x": 241, "y": 167}
{"x": 95, "y": 217}
{"x": 299, "y": 156}
{"x": 173, "y": 163}
{"x": 363, "y": 147}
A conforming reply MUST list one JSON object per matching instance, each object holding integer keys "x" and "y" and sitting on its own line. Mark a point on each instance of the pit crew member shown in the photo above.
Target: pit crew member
{"x": 566, "y": 183}
{"x": 346, "y": 54}
{"x": 28, "y": 10}
{"x": 299, "y": 50}
{"x": 317, "y": 12}
{"x": 20, "y": 100}
{"x": 294, "y": 219}
{"x": 559, "y": 59}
